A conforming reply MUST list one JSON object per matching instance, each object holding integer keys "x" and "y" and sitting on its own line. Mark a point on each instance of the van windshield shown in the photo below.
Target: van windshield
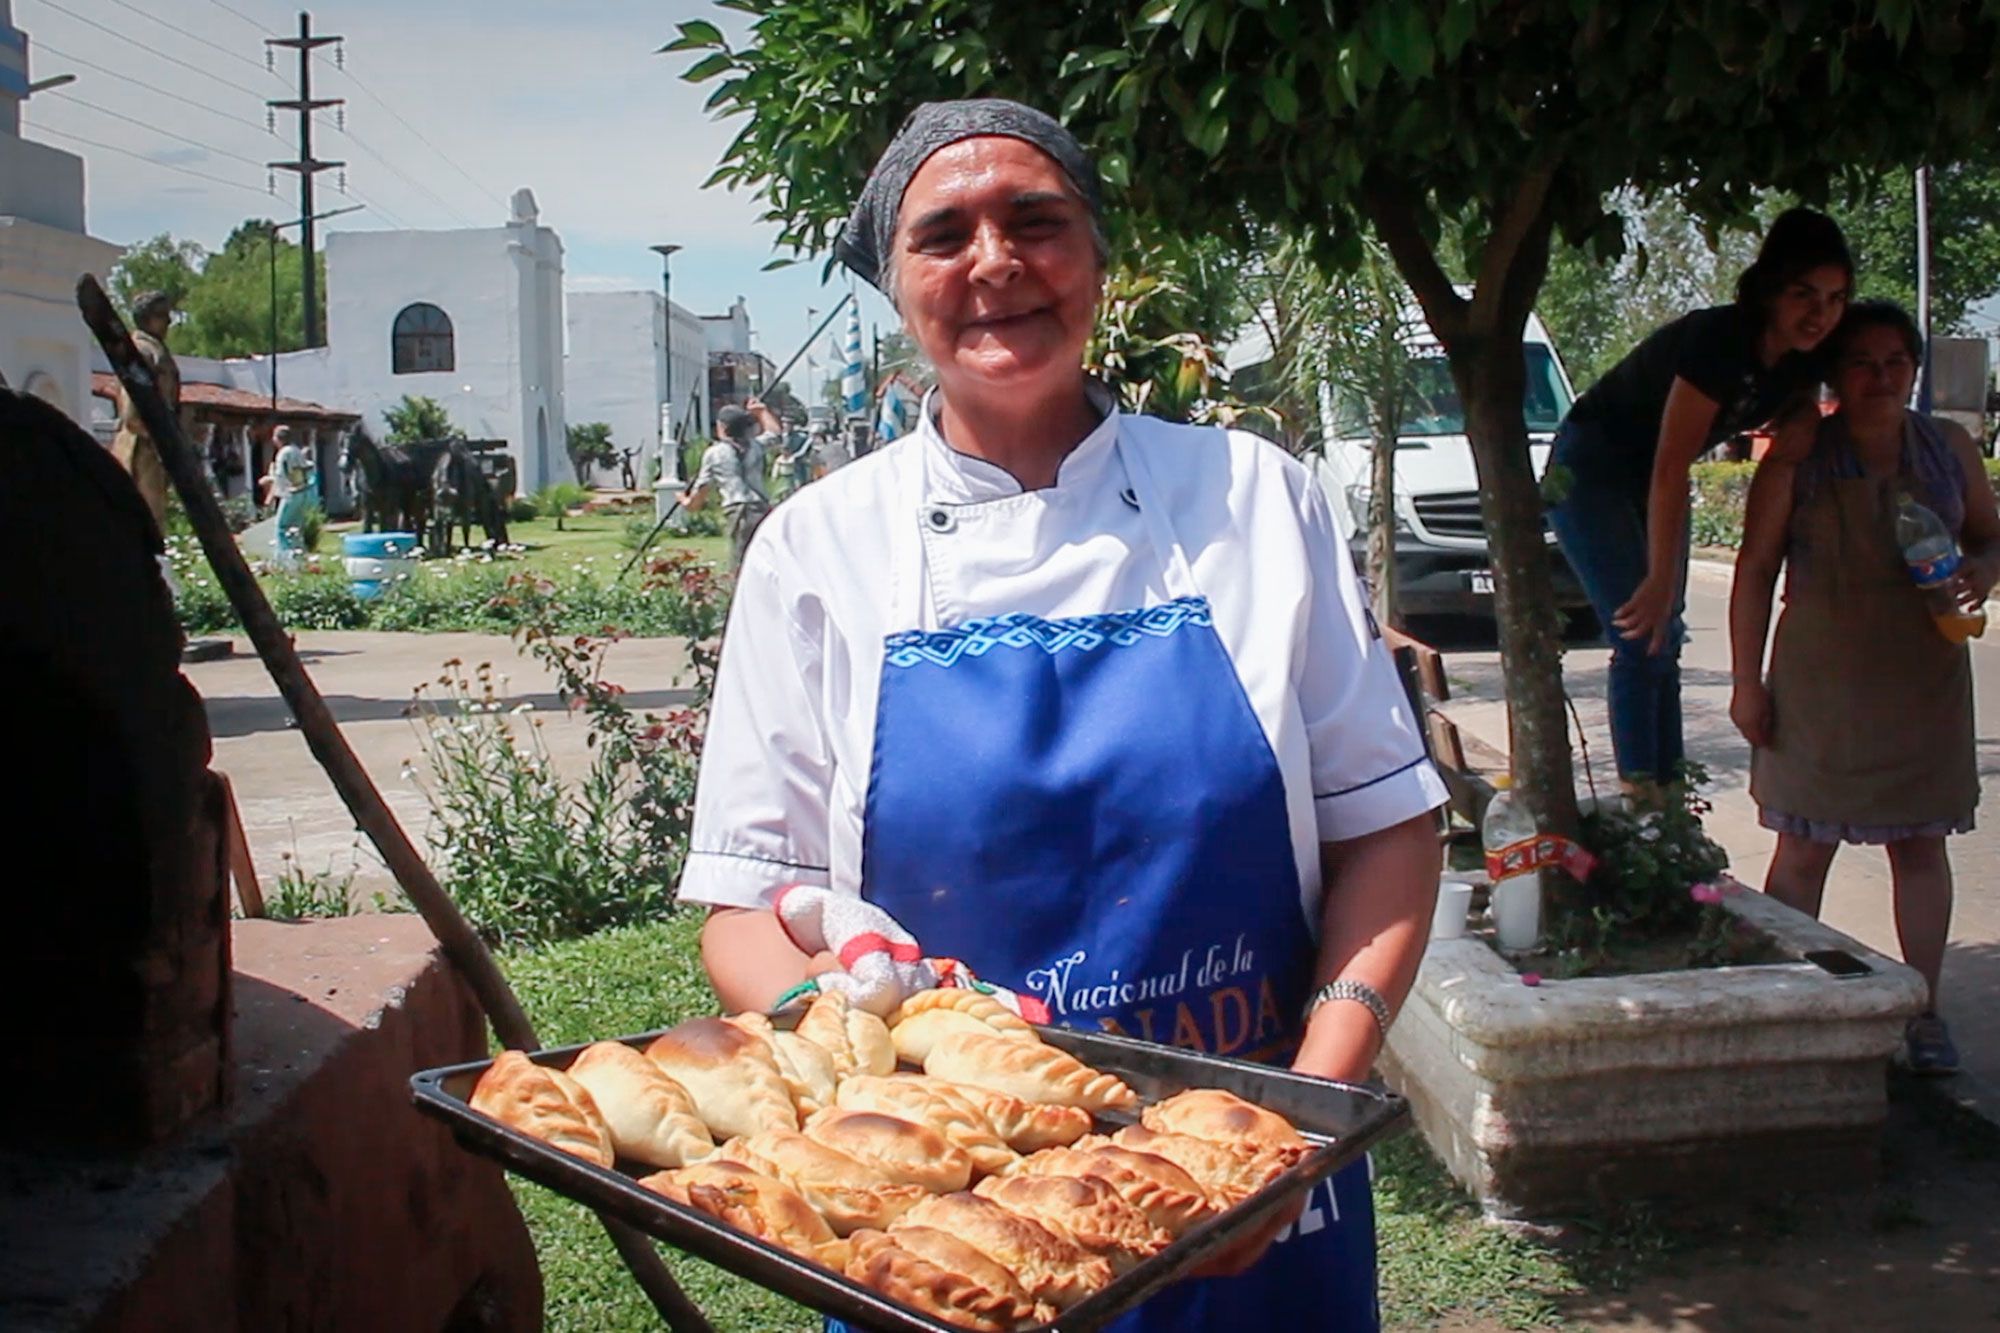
{"x": 1435, "y": 409}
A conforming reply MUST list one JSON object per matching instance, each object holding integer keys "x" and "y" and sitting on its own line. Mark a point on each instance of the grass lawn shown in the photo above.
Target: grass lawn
{"x": 1438, "y": 1258}
{"x": 596, "y": 541}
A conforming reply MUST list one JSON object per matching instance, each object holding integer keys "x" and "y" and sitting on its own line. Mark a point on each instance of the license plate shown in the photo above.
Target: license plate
{"x": 1479, "y": 582}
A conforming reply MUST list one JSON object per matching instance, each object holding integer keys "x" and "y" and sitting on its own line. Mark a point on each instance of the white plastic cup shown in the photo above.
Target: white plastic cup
{"x": 1454, "y": 904}
{"x": 1517, "y": 912}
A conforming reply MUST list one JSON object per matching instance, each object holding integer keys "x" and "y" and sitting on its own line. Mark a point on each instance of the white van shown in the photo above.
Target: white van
{"x": 1442, "y": 566}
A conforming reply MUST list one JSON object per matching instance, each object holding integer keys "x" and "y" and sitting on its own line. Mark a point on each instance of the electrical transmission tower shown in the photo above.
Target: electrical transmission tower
{"x": 307, "y": 166}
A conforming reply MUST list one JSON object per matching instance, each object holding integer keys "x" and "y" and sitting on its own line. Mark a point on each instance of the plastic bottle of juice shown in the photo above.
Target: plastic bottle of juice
{"x": 1509, "y": 827}
{"x": 1931, "y": 556}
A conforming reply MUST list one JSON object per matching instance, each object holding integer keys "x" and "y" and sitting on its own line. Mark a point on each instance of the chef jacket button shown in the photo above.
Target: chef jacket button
{"x": 1129, "y": 496}
{"x": 940, "y": 520}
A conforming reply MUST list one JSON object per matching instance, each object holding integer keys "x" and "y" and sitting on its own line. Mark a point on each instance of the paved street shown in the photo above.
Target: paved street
{"x": 288, "y": 804}
{"x": 1858, "y": 895}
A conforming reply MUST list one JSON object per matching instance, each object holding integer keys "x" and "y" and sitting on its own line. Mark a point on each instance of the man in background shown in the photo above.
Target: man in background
{"x": 732, "y": 469}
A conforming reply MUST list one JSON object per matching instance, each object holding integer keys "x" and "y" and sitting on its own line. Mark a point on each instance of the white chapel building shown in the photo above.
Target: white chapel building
{"x": 44, "y": 347}
{"x": 470, "y": 317}
{"x": 619, "y": 371}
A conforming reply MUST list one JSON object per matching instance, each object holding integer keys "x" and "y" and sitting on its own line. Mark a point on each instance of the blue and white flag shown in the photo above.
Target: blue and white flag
{"x": 889, "y": 418}
{"x": 853, "y": 382}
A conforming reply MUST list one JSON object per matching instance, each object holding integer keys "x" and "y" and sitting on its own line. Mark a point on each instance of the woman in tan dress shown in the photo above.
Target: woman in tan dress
{"x": 1862, "y": 730}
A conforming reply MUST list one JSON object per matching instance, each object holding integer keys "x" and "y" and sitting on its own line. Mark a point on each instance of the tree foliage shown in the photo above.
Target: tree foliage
{"x": 1501, "y": 122}
{"x": 1880, "y": 217}
{"x": 589, "y": 445}
{"x": 225, "y": 297}
{"x": 418, "y": 418}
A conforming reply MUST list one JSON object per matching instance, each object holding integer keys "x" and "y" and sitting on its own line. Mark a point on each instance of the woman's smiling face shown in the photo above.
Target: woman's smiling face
{"x": 996, "y": 269}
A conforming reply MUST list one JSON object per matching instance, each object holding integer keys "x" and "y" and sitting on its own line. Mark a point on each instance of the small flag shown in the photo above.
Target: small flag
{"x": 853, "y": 382}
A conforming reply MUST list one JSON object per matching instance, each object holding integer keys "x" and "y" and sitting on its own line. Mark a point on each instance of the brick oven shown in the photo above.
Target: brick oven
{"x": 185, "y": 1145}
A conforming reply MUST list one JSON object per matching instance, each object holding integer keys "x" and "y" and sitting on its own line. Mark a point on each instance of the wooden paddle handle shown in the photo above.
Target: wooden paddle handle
{"x": 455, "y": 935}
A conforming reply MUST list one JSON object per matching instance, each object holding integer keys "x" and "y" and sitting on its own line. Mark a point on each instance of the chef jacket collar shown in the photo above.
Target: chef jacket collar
{"x": 960, "y": 478}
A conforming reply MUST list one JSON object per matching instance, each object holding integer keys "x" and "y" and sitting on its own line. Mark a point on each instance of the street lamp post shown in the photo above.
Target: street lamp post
{"x": 666, "y": 489}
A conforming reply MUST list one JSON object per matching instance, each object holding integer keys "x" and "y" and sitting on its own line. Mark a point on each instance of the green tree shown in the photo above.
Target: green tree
{"x": 1502, "y": 123}
{"x": 590, "y": 446}
{"x": 1880, "y": 217}
{"x": 161, "y": 264}
{"x": 418, "y": 418}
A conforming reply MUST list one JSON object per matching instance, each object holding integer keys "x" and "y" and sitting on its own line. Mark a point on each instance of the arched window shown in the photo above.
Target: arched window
{"x": 421, "y": 340}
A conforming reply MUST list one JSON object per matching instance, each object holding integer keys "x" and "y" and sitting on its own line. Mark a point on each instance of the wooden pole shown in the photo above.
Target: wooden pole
{"x": 455, "y": 935}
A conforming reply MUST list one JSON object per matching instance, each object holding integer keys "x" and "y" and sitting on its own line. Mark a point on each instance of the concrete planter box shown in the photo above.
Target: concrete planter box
{"x": 1571, "y": 1095}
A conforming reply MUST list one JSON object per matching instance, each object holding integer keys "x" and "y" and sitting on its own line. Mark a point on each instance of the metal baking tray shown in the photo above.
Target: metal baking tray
{"x": 1343, "y": 1120}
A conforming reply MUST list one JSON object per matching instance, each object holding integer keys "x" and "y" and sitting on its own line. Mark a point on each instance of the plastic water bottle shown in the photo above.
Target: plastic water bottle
{"x": 1517, "y": 897}
{"x": 1931, "y": 556}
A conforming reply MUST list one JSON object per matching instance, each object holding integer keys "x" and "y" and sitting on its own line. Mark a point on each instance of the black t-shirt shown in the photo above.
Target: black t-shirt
{"x": 1715, "y": 350}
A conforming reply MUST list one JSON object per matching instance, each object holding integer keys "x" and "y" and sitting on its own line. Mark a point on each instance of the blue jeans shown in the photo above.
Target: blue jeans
{"x": 1601, "y": 526}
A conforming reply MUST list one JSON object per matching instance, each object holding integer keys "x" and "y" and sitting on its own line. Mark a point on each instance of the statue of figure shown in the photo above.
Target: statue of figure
{"x": 133, "y": 447}
{"x": 290, "y": 483}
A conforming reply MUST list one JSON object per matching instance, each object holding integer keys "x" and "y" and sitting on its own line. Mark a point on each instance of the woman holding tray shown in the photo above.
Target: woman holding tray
{"x": 1087, "y": 701}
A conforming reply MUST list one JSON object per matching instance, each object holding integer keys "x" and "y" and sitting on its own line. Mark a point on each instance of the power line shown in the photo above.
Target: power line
{"x": 373, "y": 207}
{"x": 140, "y": 157}
{"x": 145, "y": 125}
{"x": 413, "y": 181}
{"x": 153, "y": 52}
{"x": 191, "y": 36}
{"x": 418, "y": 134}
{"x": 263, "y": 28}
{"x": 151, "y": 88}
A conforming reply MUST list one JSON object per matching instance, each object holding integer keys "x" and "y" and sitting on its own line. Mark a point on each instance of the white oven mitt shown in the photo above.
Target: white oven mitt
{"x": 881, "y": 964}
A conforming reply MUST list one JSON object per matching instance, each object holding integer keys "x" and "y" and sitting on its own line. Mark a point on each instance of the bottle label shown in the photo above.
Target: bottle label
{"x": 1544, "y": 851}
{"x": 1934, "y": 572}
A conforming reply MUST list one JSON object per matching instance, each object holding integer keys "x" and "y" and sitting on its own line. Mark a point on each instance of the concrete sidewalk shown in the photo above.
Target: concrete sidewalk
{"x": 1858, "y": 892}
{"x": 287, "y": 802}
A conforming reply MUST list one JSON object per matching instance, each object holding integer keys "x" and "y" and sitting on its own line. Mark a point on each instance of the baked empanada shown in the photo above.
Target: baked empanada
{"x": 945, "y": 1277}
{"x": 971, "y": 1003}
{"x": 1025, "y": 1126}
{"x": 1031, "y": 1071}
{"x": 1223, "y": 1117}
{"x": 906, "y": 1153}
{"x": 1229, "y": 1175}
{"x": 543, "y": 1103}
{"x": 1081, "y": 1209}
{"x": 1171, "y": 1199}
{"x": 755, "y": 1204}
{"x": 651, "y": 1117}
{"x": 1052, "y": 1268}
{"x": 805, "y": 1066}
{"x": 849, "y": 1193}
{"x": 857, "y": 1040}
{"x": 928, "y": 1102}
{"x": 730, "y": 1074}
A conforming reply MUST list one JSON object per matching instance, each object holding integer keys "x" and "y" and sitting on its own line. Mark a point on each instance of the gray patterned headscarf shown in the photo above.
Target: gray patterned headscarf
{"x": 866, "y": 242}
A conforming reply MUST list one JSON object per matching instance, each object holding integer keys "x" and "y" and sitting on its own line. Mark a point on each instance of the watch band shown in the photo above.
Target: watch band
{"x": 1358, "y": 991}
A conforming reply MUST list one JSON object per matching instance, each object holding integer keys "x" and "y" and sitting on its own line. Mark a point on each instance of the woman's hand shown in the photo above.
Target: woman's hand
{"x": 1970, "y": 586}
{"x": 1649, "y": 612}
{"x": 1750, "y": 710}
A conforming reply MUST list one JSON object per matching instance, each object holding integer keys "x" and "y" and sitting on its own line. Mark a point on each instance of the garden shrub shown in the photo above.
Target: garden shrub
{"x": 529, "y": 855}
{"x": 315, "y": 601}
{"x": 1720, "y": 491}
{"x": 522, "y": 508}
{"x": 312, "y": 523}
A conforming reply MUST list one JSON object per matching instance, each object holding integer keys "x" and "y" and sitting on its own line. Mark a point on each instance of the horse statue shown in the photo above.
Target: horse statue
{"x": 461, "y": 495}
{"x": 392, "y": 482}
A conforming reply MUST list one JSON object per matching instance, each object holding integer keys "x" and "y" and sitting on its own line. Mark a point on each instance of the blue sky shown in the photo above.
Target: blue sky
{"x": 566, "y": 98}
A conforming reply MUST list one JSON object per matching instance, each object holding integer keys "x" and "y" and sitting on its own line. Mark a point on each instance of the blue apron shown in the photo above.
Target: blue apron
{"x": 1087, "y": 810}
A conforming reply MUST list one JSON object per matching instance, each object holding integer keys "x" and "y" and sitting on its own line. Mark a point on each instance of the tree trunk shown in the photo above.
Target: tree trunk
{"x": 1491, "y": 379}
{"x": 1381, "y": 564}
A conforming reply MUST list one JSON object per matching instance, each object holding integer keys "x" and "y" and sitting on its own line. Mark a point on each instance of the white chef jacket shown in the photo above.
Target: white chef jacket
{"x": 920, "y": 536}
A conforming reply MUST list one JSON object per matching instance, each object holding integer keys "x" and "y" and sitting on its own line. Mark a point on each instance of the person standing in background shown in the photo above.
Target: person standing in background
{"x": 1628, "y": 443}
{"x": 732, "y": 469}
{"x": 290, "y": 483}
{"x": 132, "y": 446}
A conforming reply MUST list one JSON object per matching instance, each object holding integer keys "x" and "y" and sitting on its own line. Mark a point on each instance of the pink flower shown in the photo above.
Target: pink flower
{"x": 1531, "y": 978}
{"x": 1706, "y": 894}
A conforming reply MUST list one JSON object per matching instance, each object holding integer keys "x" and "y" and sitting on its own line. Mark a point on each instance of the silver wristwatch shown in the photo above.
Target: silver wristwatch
{"x": 1358, "y": 991}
